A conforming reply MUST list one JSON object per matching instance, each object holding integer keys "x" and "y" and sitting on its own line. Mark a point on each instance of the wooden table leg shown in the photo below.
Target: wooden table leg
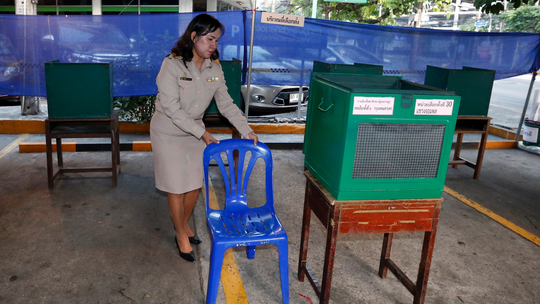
{"x": 457, "y": 148}
{"x": 118, "y": 149}
{"x": 304, "y": 239}
{"x": 385, "y": 254}
{"x": 113, "y": 158}
{"x": 425, "y": 260}
{"x": 59, "y": 152}
{"x": 480, "y": 157}
{"x": 48, "y": 145}
{"x": 235, "y": 133}
{"x": 328, "y": 267}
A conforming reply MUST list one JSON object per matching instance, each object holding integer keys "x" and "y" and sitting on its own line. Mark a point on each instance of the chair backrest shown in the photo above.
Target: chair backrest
{"x": 236, "y": 180}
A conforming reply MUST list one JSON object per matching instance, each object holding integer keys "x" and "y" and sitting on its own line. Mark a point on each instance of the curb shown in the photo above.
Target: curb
{"x": 38, "y": 127}
{"x": 135, "y": 146}
{"x": 142, "y": 146}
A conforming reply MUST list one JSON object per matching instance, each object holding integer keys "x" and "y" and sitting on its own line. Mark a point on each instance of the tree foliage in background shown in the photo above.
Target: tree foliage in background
{"x": 523, "y": 19}
{"x": 495, "y": 7}
{"x": 374, "y": 12}
{"x": 470, "y": 25}
{"x": 138, "y": 109}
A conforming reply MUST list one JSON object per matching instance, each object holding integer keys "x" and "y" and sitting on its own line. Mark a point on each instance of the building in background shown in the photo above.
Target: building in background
{"x": 115, "y": 7}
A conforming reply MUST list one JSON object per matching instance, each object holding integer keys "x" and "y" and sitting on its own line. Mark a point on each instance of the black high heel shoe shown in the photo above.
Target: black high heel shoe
{"x": 190, "y": 257}
{"x": 194, "y": 240}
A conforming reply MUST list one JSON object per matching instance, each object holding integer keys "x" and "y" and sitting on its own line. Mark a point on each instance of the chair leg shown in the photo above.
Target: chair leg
{"x": 250, "y": 251}
{"x": 284, "y": 270}
{"x": 216, "y": 262}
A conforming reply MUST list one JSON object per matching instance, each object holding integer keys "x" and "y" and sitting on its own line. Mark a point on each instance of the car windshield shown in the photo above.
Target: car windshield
{"x": 6, "y": 48}
{"x": 86, "y": 38}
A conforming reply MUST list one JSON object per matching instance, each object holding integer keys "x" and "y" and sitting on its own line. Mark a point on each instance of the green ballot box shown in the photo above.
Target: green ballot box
{"x": 323, "y": 67}
{"x": 379, "y": 137}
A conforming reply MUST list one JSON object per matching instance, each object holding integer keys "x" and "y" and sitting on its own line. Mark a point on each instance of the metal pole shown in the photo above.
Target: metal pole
{"x": 525, "y": 106}
{"x": 250, "y": 60}
{"x": 314, "y": 9}
{"x": 300, "y": 90}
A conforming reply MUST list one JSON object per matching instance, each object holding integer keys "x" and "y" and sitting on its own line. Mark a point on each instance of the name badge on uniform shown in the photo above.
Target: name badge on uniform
{"x": 186, "y": 78}
{"x": 213, "y": 79}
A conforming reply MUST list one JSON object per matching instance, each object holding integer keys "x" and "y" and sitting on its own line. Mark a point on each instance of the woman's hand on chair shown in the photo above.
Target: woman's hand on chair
{"x": 252, "y": 136}
{"x": 208, "y": 139}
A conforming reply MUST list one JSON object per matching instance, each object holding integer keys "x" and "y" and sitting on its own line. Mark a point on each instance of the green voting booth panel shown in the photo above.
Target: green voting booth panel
{"x": 472, "y": 84}
{"x": 357, "y": 68}
{"x": 79, "y": 90}
{"x": 379, "y": 137}
{"x": 232, "y": 71}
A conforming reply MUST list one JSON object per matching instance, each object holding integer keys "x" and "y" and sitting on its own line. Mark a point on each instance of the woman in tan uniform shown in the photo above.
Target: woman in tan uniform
{"x": 189, "y": 77}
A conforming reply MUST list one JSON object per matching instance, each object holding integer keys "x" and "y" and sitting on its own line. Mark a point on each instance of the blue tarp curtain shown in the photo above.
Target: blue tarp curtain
{"x": 283, "y": 55}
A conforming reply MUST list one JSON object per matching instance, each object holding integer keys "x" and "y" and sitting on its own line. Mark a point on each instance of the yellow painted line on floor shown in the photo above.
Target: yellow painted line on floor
{"x": 230, "y": 274}
{"x": 499, "y": 219}
{"x": 13, "y": 145}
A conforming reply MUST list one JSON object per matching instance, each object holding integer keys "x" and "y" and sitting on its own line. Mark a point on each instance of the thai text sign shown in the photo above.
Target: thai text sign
{"x": 373, "y": 105}
{"x": 434, "y": 107}
{"x": 282, "y": 19}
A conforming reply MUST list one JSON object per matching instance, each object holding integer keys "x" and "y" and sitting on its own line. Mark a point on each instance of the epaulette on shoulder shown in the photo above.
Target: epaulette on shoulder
{"x": 216, "y": 61}
{"x": 173, "y": 55}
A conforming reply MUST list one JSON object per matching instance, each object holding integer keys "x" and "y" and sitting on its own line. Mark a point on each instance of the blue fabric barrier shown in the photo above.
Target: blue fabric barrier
{"x": 283, "y": 55}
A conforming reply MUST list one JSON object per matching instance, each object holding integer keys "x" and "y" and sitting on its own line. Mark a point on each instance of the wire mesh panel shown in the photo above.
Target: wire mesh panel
{"x": 390, "y": 151}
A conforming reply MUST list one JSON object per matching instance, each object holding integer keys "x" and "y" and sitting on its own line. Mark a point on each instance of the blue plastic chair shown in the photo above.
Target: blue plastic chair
{"x": 238, "y": 225}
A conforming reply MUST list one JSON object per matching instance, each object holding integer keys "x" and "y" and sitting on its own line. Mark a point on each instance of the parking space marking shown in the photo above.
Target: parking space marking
{"x": 506, "y": 223}
{"x": 13, "y": 144}
{"x": 233, "y": 287}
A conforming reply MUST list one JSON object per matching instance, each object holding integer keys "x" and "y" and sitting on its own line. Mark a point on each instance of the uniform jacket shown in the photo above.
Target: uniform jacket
{"x": 184, "y": 94}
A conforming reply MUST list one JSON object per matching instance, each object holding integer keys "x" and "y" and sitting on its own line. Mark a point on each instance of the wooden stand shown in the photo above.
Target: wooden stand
{"x": 82, "y": 128}
{"x": 216, "y": 123}
{"x": 375, "y": 216}
{"x": 471, "y": 125}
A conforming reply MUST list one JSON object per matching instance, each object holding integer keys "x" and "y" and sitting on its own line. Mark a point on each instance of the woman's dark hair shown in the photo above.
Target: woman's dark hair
{"x": 202, "y": 24}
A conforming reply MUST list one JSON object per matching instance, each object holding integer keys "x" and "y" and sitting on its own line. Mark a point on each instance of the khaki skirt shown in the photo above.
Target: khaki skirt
{"x": 178, "y": 155}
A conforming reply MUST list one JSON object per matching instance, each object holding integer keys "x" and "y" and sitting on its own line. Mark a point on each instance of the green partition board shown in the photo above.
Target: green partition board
{"x": 436, "y": 77}
{"x": 79, "y": 90}
{"x": 232, "y": 71}
{"x": 334, "y": 138}
{"x": 357, "y": 68}
{"x": 371, "y": 69}
{"x": 474, "y": 85}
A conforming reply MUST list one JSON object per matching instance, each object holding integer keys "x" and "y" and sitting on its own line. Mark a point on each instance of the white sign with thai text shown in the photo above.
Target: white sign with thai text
{"x": 282, "y": 19}
{"x": 373, "y": 105}
{"x": 530, "y": 134}
{"x": 434, "y": 107}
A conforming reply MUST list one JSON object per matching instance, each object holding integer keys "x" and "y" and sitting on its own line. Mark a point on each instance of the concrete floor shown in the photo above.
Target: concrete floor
{"x": 85, "y": 241}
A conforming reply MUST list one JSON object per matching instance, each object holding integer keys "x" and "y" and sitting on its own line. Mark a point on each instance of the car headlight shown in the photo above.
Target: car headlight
{"x": 258, "y": 98}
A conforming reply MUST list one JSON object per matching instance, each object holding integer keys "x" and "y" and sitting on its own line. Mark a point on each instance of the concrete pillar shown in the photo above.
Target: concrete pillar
{"x": 211, "y": 5}
{"x": 26, "y": 7}
{"x": 30, "y": 105}
{"x": 185, "y": 6}
{"x": 96, "y": 7}
{"x": 456, "y": 15}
